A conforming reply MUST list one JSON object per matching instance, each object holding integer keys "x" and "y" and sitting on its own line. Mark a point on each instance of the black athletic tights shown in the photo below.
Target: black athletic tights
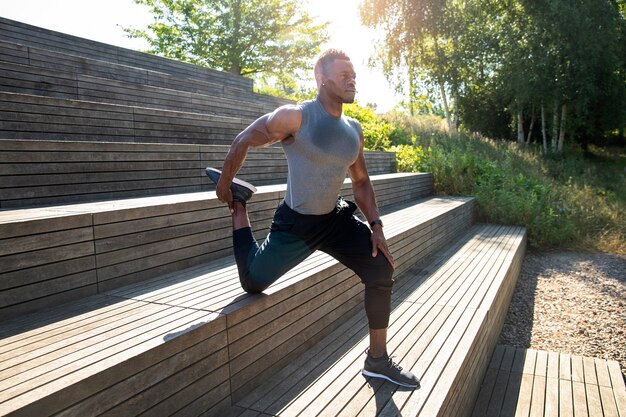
{"x": 293, "y": 237}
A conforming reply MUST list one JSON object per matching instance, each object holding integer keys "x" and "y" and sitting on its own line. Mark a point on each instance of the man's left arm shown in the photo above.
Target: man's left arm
{"x": 366, "y": 200}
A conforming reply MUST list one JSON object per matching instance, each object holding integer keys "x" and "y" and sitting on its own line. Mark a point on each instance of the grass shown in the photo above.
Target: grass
{"x": 575, "y": 201}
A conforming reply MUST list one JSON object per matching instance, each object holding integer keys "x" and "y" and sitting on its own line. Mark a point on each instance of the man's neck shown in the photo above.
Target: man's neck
{"x": 332, "y": 107}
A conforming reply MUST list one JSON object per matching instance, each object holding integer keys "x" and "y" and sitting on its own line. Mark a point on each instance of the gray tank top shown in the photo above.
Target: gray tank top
{"x": 318, "y": 159}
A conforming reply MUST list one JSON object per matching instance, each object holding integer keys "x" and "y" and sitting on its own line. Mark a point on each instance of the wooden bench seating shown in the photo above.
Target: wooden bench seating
{"x": 447, "y": 314}
{"x": 529, "y": 382}
{"x": 32, "y": 117}
{"x": 36, "y": 173}
{"x": 74, "y": 84}
{"x": 28, "y": 35}
{"x": 193, "y": 341}
{"x": 64, "y": 63}
{"x": 55, "y": 254}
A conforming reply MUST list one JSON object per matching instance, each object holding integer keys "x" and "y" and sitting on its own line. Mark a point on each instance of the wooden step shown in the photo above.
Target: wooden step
{"x": 28, "y": 35}
{"x": 31, "y": 117}
{"x": 37, "y": 173}
{"x": 528, "y": 382}
{"x": 192, "y": 341}
{"x": 72, "y": 66}
{"x": 51, "y": 255}
{"x": 447, "y": 314}
{"x": 74, "y": 84}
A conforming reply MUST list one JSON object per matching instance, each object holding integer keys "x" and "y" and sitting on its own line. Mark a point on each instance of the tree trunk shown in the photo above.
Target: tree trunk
{"x": 446, "y": 109}
{"x": 520, "y": 127}
{"x": 562, "y": 133}
{"x": 412, "y": 101}
{"x": 532, "y": 124}
{"x": 233, "y": 54}
{"x": 455, "y": 117}
{"x": 555, "y": 126}
{"x": 543, "y": 129}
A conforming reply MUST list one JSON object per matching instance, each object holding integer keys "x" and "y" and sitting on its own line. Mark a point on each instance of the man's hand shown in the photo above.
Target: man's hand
{"x": 224, "y": 194}
{"x": 380, "y": 243}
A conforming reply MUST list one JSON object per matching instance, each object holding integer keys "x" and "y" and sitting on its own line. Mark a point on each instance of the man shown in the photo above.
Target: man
{"x": 321, "y": 145}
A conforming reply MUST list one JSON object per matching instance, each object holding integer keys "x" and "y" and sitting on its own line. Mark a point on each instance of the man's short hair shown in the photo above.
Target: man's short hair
{"x": 325, "y": 59}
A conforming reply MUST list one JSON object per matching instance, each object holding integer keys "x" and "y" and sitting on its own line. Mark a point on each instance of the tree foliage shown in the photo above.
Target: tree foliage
{"x": 512, "y": 68}
{"x": 275, "y": 37}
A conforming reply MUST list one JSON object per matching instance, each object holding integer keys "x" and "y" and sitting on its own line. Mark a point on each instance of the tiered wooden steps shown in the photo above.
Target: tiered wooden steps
{"x": 170, "y": 93}
{"x": 131, "y": 348}
{"x": 527, "y": 382}
{"x": 33, "y": 117}
{"x": 56, "y": 254}
{"x": 446, "y": 316}
{"x": 38, "y": 173}
{"x": 55, "y": 42}
{"x": 59, "y": 87}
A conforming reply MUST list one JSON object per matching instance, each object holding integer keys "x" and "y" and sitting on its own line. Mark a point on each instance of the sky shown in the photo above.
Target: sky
{"x": 102, "y": 20}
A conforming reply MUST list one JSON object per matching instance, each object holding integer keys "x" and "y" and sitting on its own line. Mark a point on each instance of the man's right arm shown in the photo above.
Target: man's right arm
{"x": 273, "y": 127}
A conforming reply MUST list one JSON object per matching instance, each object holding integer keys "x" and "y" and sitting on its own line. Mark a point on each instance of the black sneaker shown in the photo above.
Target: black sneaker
{"x": 242, "y": 190}
{"x": 386, "y": 368}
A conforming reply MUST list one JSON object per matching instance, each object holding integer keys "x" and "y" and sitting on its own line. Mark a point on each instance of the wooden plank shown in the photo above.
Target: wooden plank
{"x": 303, "y": 371}
{"x": 589, "y": 369}
{"x": 508, "y": 358}
{"x": 111, "y": 352}
{"x": 538, "y": 399}
{"x": 566, "y": 405}
{"x": 525, "y": 396}
{"x": 171, "y": 385}
{"x": 46, "y": 272}
{"x": 552, "y": 397}
{"x": 609, "y": 406}
{"x": 10, "y": 52}
{"x": 565, "y": 366}
{"x": 498, "y": 399}
{"x": 541, "y": 363}
{"x": 619, "y": 389}
{"x": 46, "y": 256}
{"x": 593, "y": 399}
{"x": 578, "y": 374}
{"x": 602, "y": 372}
{"x": 580, "y": 399}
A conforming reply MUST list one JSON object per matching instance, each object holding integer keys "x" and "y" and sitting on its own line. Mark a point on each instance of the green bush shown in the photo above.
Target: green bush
{"x": 375, "y": 130}
{"x": 410, "y": 158}
{"x": 514, "y": 185}
{"x": 572, "y": 201}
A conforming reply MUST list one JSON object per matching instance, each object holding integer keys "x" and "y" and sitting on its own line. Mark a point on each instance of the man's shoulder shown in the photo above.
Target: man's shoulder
{"x": 354, "y": 123}
{"x": 286, "y": 118}
{"x": 288, "y": 109}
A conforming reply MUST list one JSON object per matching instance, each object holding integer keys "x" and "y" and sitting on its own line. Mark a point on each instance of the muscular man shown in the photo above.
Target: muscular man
{"x": 321, "y": 146}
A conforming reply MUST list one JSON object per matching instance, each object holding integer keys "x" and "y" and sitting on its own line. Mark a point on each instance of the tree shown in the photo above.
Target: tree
{"x": 501, "y": 65}
{"x": 416, "y": 40}
{"x": 244, "y": 37}
{"x": 431, "y": 39}
{"x": 576, "y": 63}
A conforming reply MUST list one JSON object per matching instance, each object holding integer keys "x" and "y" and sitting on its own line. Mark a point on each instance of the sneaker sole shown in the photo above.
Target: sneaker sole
{"x": 235, "y": 180}
{"x": 375, "y": 375}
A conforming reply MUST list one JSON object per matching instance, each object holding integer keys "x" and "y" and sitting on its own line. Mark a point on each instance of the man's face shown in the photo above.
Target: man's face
{"x": 340, "y": 80}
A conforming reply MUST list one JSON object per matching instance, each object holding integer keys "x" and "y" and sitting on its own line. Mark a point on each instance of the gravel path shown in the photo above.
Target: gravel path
{"x": 570, "y": 302}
